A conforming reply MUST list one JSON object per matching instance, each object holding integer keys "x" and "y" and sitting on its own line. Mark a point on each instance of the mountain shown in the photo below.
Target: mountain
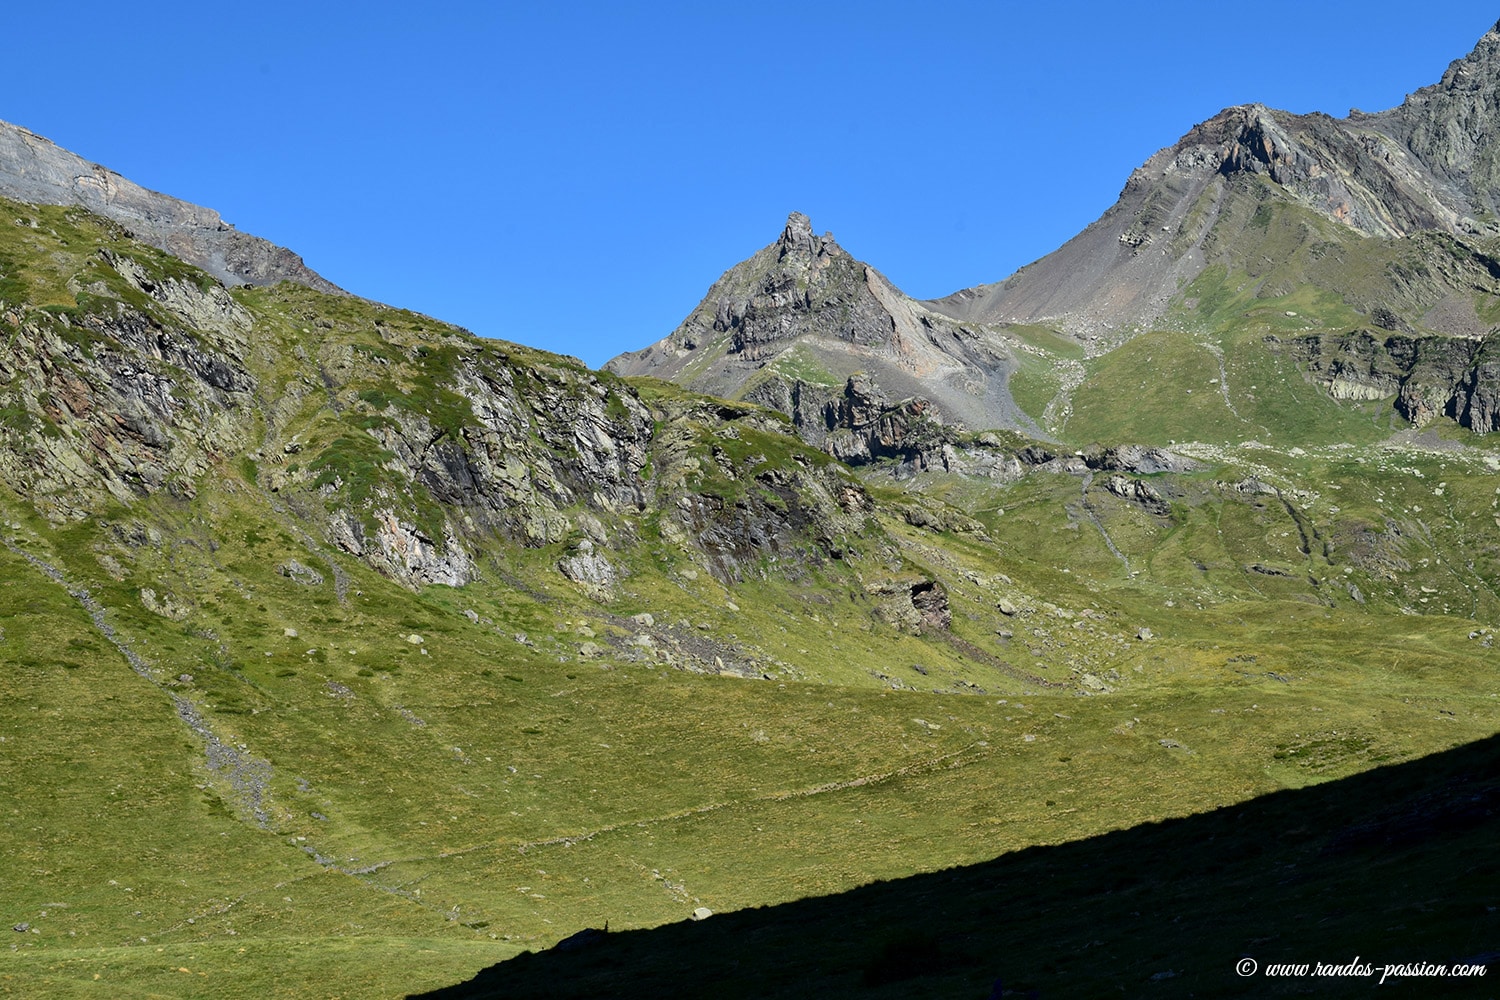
{"x": 35, "y": 170}
{"x": 343, "y": 651}
{"x": 1387, "y": 217}
{"x": 792, "y": 324}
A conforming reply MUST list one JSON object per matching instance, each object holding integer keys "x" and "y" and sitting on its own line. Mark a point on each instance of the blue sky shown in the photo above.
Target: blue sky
{"x": 574, "y": 175}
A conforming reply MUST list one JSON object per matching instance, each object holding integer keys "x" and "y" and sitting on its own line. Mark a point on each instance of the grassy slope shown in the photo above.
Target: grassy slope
{"x": 472, "y": 794}
{"x": 757, "y": 792}
{"x": 1390, "y": 865}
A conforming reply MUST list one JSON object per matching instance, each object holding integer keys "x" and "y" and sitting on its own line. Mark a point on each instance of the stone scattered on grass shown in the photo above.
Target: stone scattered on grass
{"x": 298, "y": 573}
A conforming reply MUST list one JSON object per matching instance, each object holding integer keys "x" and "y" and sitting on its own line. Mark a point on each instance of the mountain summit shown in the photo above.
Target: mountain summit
{"x": 1452, "y": 127}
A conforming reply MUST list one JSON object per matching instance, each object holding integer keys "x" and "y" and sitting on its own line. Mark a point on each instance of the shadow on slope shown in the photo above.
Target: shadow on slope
{"x": 1394, "y": 865}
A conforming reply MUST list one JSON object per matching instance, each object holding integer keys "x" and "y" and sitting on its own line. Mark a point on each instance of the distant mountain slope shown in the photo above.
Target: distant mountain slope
{"x": 35, "y": 170}
{"x": 1429, "y": 164}
{"x": 801, "y": 316}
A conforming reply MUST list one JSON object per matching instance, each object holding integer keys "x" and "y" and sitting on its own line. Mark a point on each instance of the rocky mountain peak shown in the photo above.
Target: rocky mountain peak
{"x": 1470, "y": 71}
{"x": 798, "y": 234}
{"x": 1431, "y": 164}
{"x": 762, "y": 304}
{"x": 790, "y": 325}
{"x": 1453, "y": 127}
{"x": 797, "y": 241}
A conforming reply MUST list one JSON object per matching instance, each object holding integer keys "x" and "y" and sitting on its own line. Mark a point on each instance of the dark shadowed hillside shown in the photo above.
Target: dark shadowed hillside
{"x": 1390, "y": 867}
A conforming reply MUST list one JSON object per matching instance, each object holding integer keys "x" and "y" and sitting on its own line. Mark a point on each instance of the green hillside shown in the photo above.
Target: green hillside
{"x": 343, "y": 653}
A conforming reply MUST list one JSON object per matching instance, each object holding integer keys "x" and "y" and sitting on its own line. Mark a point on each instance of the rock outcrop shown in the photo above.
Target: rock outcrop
{"x": 411, "y": 445}
{"x": 1452, "y": 128}
{"x": 116, "y": 403}
{"x": 1428, "y": 376}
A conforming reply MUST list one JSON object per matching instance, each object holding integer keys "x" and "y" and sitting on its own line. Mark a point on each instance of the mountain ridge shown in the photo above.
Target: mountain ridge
{"x": 1384, "y": 174}
{"x": 1389, "y": 216}
{"x": 36, "y": 170}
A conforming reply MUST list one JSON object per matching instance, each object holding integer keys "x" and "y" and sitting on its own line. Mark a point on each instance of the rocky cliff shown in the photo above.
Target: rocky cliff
{"x": 1428, "y": 376}
{"x": 35, "y": 170}
{"x": 1452, "y": 128}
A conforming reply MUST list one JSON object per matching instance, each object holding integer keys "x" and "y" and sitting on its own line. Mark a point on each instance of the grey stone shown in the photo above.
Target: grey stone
{"x": 298, "y": 573}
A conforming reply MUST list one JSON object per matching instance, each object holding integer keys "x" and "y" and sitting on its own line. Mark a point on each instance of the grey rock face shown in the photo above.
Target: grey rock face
{"x": 35, "y": 170}
{"x": 1429, "y": 376}
{"x": 915, "y": 606}
{"x": 787, "y": 525}
{"x": 1139, "y": 492}
{"x": 300, "y": 573}
{"x": 116, "y": 404}
{"x": 1453, "y": 127}
{"x": 416, "y": 450}
{"x": 752, "y": 519}
{"x": 541, "y": 440}
{"x": 861, "y": 425}
{"x": 1140, "y": 460}
{"x": 590, "y": 570}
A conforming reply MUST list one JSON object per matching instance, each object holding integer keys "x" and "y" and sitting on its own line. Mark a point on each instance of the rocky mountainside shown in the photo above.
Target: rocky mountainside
{"x": 792, "y": 324}
{"x": 1452, "y": 128}
{"x": 1427, "y": 165}
{"x": 408, "y": 444}
{"x": 35, "y": 170}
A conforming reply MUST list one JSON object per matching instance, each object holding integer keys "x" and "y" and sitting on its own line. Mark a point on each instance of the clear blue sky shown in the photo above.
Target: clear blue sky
{"x": 574, "y": 175}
